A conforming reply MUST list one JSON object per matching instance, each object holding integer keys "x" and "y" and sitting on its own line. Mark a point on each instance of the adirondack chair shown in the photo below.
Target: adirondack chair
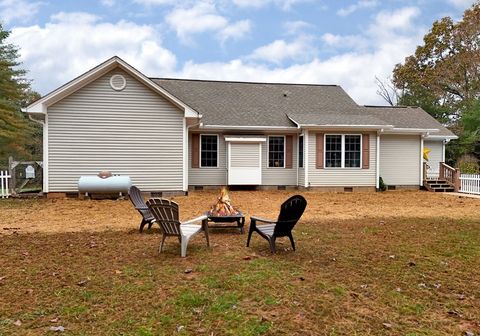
{"x": 140, "y": 205}
{"x": 166, "y": 213}
{"x": 290, "y": 212}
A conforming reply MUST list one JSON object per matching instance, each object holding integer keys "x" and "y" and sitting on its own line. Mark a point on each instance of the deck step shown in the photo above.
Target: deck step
{"x": 439, "y": 186}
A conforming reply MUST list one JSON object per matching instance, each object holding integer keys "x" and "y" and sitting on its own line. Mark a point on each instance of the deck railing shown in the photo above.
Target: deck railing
{"x": 4, "y": 191}
{"x": 450, "y": 174}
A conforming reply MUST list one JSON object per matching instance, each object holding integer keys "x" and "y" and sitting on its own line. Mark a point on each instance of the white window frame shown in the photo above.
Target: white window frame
{"x": 200, "y": 151}
{"x": 303, "y": 151}
{"x": 284, "y": 150}
{"x": 343, "y": 151}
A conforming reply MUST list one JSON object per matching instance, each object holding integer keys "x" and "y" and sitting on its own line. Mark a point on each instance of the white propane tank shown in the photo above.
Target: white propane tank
{"x": 113, "y": 184}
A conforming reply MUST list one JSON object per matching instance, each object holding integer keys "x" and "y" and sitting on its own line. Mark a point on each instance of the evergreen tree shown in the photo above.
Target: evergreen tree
{"x": 16, "y": 131}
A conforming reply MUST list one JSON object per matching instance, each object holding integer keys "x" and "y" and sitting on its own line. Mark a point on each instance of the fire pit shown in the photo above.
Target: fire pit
{"x": 224, "y": 212}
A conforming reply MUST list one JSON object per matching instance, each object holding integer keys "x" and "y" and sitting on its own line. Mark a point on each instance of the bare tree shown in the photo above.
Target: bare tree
{"x": 387, "y": 91}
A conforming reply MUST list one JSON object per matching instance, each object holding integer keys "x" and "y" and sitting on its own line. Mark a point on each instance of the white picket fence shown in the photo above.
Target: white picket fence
{"x": 4, "y": 191}
{"x": 470, "y": 184}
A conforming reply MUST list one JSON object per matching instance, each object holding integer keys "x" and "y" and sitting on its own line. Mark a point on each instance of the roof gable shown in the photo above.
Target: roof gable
{"x": 40, "y": 106}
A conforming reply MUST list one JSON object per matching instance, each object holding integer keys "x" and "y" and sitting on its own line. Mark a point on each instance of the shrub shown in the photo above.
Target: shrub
{"x": 468, "y": 164}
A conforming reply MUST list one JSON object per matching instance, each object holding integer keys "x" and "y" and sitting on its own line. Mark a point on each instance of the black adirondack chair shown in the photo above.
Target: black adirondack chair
{"x": 290, "y": 212}
{"x": 140, "y": 205}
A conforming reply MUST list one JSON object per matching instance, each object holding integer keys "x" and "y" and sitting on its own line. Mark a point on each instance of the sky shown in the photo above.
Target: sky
{"x": 347, "y": 43}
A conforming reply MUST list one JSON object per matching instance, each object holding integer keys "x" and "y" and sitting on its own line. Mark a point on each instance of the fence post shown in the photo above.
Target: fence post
{"x": 11, "y": 172}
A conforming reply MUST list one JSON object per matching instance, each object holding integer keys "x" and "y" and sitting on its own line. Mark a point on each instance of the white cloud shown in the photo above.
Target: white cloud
{"x": 108, "y": 3}
{"x": 203, "y": 17}
{"x": 361, "y": 4}
{"x": 301, "y": 49}
{"x": 295, "y": 27}
{"x": 155, "y": 2}
{"x": 345, "y": 41}
{"x": 283, "y": 4}
{"x": 235, "y": 31}
{"x": 18, "y": 10}
{"x": 72, "y": 43}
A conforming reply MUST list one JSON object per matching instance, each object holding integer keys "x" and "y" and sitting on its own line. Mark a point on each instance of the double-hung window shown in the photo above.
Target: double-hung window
{"x": 209, "y": 150}
{"x": 343, "y": 150}
{"x": 276, "y": 152}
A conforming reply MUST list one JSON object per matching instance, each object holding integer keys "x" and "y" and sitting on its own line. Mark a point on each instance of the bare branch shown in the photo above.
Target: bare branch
{"x": 387, "y": 91}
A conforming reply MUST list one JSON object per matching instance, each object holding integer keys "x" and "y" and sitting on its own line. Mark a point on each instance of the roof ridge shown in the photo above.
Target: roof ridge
{"x": 239, "y": 82}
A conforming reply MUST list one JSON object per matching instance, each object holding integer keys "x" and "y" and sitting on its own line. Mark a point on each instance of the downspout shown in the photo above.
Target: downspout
{"x": 422, "y": 136}
{"x": 377, "y": 161}
{"x": 44, "y": 149}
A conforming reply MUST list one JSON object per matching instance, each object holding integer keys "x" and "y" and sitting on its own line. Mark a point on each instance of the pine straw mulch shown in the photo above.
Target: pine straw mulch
{"x": 367, "y": 264}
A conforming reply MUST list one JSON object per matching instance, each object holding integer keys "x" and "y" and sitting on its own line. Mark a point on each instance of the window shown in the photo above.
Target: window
{"x": 333, "y": 151}
{"x": 343, "y": 151}
{"x": 300, "y": 151}
{"x": 352, "y": 151}
{"x": 276, "y": 151}
{"x": 209, "y": 151}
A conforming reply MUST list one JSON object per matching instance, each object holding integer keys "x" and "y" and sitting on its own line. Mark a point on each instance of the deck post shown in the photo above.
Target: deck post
{"x": 456, "y": 180}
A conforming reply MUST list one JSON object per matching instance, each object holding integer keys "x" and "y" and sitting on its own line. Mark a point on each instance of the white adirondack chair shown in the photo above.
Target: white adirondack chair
{"x": 166, "y": 213}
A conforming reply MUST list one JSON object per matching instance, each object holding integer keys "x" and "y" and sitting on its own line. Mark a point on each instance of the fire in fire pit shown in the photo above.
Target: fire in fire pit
{"x": 223, "y": 207}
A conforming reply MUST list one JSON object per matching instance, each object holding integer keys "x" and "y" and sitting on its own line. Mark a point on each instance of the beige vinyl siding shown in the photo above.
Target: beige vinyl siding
{"x": 301, "y": 177}
{"x": 400, "y": 159}
{"x": 208, "y": 175}
{"x": 435, "y": 156}
{"x": 279, "y": 176}
{"x": 340, "y": 177}
{"x": 133, "y": 132}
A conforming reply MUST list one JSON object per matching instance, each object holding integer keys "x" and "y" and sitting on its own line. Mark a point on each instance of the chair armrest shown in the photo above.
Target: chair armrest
{"x": 258, "y": 219}
{"x": 198, "y": 219}
{"x": 142, "y": 208}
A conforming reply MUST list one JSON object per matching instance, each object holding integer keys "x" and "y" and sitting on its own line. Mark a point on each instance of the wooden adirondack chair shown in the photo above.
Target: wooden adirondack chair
{"x": 166, "y": 214}
{"x": 140, "y": 205}
{"x": 290, "y": 212}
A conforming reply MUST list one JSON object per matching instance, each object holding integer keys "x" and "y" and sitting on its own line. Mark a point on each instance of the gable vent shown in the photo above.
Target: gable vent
{"x": 118, "y": 82}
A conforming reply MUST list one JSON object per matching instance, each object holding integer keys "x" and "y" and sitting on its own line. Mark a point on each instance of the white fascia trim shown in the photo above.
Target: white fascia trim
{"x": 441, "y": 137}
{"x": 314, "y": 127}
{"x": 250, "y": 128}
{"x": 296, "y": 123}
{"x": 41, "y": 105}
{"x": 411, "y": 130}
{"x": 244, "y": 139}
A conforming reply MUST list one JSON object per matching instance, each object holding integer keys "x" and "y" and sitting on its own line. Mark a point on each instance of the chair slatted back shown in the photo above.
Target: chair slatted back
{"x": 166, "y": 213}
{"x": 290, "y": 212}
{"x": 138, "y": 201}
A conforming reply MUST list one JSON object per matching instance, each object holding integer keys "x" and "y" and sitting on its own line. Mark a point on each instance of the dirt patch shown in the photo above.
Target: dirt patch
{"x": 73, "y": 215}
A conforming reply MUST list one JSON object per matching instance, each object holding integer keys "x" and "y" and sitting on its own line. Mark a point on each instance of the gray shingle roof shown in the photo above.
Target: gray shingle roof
{"x": 264, "y": 104}
{"x": 407, "y": 117}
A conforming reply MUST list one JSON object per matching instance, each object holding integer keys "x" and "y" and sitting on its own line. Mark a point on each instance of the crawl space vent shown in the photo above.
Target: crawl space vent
{"x": 118, "y": 82}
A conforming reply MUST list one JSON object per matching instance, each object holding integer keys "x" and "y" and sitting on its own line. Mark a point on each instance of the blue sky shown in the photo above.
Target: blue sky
{"x": 311, "y": 41}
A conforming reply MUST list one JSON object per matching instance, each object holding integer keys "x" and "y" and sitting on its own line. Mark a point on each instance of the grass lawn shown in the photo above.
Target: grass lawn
{"x": 396, "y": 263}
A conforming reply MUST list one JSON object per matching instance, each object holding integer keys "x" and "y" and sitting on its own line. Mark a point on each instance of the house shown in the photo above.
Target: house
{"x": 176, "y": 135}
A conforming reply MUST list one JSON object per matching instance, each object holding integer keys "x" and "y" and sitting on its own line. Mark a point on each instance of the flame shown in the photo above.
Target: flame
{"x": 223, "y": 207}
